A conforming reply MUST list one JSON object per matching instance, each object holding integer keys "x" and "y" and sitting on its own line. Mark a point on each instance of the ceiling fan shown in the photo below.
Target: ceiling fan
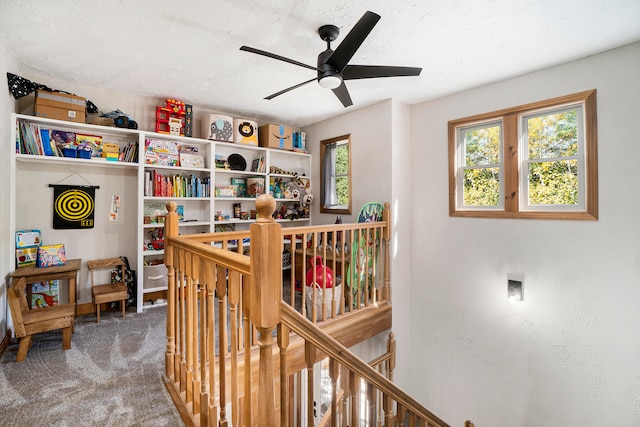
{"x": 333, "y": 65}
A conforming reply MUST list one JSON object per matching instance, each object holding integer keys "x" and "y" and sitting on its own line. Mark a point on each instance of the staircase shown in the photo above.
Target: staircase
{"x": 241, "y": 351}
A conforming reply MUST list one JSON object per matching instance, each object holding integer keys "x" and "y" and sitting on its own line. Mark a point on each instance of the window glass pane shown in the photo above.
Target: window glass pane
{"x": 342, "y": 190}
{"x": 342, "y": 159}
{"x": 335, "y": 176}
{"x": 553, "y": 135}
{"x": 481, "y": 187}
{"x": 482, "y": 146}
{"x": 553, "y": 183}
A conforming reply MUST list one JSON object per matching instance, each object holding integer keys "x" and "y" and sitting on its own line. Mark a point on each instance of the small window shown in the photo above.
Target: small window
{"x": 481, "y": 166}
{"x": 335, "y": 179}
{"x": 553, "y": 173}
{"x": 534, "y": 161}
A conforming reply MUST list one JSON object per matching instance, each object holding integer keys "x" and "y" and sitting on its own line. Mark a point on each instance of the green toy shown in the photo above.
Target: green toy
{"x": 364, "y": 252}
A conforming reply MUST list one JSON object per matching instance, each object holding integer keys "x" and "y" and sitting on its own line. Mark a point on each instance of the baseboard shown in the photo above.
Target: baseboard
{"x": 4, "y": 344}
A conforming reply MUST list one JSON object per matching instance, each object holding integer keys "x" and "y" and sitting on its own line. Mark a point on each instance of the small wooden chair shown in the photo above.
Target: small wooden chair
{"x": 109, "y": 292}
{"x": 30, "y": 322}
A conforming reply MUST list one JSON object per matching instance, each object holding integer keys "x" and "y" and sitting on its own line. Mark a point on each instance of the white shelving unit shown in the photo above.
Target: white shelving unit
{"x": 200, "y": 213}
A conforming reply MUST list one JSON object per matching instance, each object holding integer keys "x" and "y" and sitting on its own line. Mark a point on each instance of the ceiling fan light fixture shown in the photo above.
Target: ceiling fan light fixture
{"x": 330, "y": 82}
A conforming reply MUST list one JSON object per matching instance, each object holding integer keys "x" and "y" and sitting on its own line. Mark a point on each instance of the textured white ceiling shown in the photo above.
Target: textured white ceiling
{"x": 189, "y": 50}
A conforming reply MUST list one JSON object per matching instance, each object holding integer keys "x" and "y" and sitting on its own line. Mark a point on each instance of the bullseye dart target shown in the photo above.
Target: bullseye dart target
{"x": 73, "y": 206}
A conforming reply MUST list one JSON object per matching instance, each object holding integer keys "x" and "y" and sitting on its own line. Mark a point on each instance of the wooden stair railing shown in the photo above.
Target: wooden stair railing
{"x": 223, "y": 366}
{"x": 341, "y": 356}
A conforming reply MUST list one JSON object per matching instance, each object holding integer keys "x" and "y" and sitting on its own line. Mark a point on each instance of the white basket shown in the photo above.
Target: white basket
{"x": 328, "y": 296}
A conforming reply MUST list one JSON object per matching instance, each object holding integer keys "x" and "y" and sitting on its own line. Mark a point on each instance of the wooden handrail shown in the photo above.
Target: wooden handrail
{"x": 227, "y": 259}
{"x": 314, "y": 335}
{"x": 224, "y": 306}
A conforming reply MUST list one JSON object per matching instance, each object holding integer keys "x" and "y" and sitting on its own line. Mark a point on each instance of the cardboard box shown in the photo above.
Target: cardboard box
{"x": 60, "y": 106}
{"x": 276, "y": 136}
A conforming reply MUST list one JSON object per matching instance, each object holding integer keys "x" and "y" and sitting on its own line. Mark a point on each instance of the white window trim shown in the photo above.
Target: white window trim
{"x": 461, "y": 156}
{"x": 525, "y": 161}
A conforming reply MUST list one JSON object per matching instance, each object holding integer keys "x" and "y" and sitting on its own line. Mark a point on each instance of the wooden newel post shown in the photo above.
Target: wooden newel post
{"x": 265, "y": 296}
{"x": 170, "y": 230}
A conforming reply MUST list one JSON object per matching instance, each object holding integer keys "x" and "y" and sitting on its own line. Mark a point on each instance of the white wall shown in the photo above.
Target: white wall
{"x": 7, "y": 105}
{"x": 569, "y": 354}
{"x": 370, "y": 130}
{"x": 380, "y": 150}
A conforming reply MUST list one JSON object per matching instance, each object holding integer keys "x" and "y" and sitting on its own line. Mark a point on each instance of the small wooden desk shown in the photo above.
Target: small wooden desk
{"x": 33, "y": 274}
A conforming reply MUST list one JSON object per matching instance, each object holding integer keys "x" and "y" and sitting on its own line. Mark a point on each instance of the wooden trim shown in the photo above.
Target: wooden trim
{"x": 4, "y": 344}
{"x": 511, "y": 118}
{"x": 510, "y": 161}
{"x": 591, "y": 136}
{"x": 323, "y": 144}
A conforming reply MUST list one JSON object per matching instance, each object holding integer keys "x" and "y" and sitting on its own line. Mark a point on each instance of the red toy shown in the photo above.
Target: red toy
{"x": 173, "y": 109}
{"x": 316, "y": 264}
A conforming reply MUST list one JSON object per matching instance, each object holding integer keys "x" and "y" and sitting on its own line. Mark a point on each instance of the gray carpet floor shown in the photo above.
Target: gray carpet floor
{"x": 111, "y": 376}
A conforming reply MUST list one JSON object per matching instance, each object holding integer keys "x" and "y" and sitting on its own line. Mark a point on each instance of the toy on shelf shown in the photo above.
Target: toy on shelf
{"x": 173, "y": 111}
{"x": 120, "y": 119}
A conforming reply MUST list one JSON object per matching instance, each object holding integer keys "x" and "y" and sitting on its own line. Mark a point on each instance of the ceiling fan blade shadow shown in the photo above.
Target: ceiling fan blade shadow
{"x": 352, "y": 72}
{"x": 274, "y": 56}
{"x": 350, "y": 44}
{"x": 290, "y": 88}
{"x": 343, "y": 95}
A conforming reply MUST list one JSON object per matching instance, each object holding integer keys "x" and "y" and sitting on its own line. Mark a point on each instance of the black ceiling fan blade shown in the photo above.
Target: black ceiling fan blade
{"x": 274, "y": 56}
{"x": 343, "y": 95}
{"x": 350, "y": 44}
{"x": 352, "y": 72}
{"x": 290, "y": 88}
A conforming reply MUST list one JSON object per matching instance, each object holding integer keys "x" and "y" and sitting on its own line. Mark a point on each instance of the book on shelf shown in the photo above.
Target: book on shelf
{"x": 158, "y": 185}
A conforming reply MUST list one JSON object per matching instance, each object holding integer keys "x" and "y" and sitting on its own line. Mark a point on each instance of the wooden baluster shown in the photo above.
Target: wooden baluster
{"x": 386, "y": 217}
{"x": 347, "y": 278}
{"x": 208, "y": 414}
{"x": 303, "y": 276}
{"x": 413, "y": 420}
{"x": 310, "y": 357}
{"x": 283, "y": 343}
{"x": 323, "y": 290}
{"x": 204, "y": 345}
{"x": 371, "y": 404}
{"x": 299, "y": 402}
{"x": 246, "y": 316}
{"x": 234, "y": 299}
{"x": 333, "y": 374}
{"x": 181, "y": 319}
{"x": 189, "y": 332}
{"x": 354, "y": 386}
{"x": 391, "y": 365}
{"x": 221, "y": 289}
{"x": 195, "y": 382}
{"x": 170, "y": 229}
{"x": 266, "y": 296}
{"x": 346, "y": 393}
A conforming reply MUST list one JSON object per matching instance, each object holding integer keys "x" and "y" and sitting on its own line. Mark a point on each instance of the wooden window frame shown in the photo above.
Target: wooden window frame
{"x": 328, "y": 209}
{"x": 510, "y": 118}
